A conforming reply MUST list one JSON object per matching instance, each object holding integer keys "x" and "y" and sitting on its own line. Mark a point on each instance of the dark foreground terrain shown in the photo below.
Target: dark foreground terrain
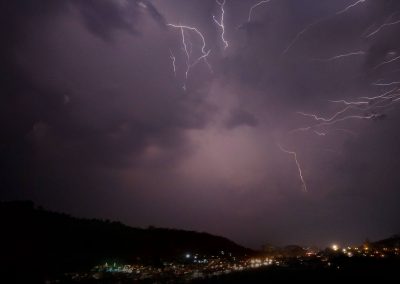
{"x": 355, "y": 270}
{"x": 39, "y": 246}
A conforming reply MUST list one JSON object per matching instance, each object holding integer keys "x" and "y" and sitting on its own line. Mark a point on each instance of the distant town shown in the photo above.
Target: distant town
{"x": 201, "y": 267}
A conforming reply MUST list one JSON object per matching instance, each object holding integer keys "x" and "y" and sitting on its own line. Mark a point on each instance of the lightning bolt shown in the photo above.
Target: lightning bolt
{"x": 349, "y": 103}
{"x": 358, "y": 109}
{"x": 363, "y": 108}
{"x": 371, "y": 116}
{"x": 318, "y": 118}
{"x": 221, "y": 23}
{"x": 350, "y": 6}
{"x": 308, "y": 27}
{"x": 255, "y": 6}
{"x": 203, "y": 47}
{"x": 173, "y": 59}
{"x": 184, "y": 44}
{"x": 382, "y": 101}
{"x": 379, "y": 96}
{"x": 386, "y": 24}
{"x": 385, "y": 84}
{"x": 319, "y": 133}
{"x": 204, "y": 53}
{"x": 299, "y": 34}
{"x": 392, "y": 102}
{"x": 340, "y": 56}
{"x": 333, "y": 119}
{"x": 386, "y": 62}
{"x": 294, "y": 154}
{"x": 187, "y": 57}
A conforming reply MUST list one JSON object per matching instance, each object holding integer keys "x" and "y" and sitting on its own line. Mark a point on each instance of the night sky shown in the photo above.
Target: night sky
{"x": 96, "y": 123}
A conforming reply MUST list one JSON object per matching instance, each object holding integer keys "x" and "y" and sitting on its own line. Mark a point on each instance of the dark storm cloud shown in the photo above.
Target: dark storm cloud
{"x": 51, "y": 133}
{"x": 157, "y": 16}
{"x": 240, "y": 117}
{"x": 95, "y": 122}
{"x": 104, "y": 17}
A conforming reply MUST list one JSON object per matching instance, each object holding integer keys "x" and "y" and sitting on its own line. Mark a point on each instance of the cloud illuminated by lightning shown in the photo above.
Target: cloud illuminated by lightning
{"x": 221, "y": 23}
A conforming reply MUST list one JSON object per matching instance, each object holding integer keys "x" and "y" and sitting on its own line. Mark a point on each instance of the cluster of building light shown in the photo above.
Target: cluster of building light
{"x": 192, "y": 266}
{"x": 366, "y": 251}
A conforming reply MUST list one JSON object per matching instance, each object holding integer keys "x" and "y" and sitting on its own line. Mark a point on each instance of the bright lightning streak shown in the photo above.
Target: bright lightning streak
{"x": 299, "y": 34}
{"x": 385, "y": 84}
{"x": 294, "y": 154}
{"x": 187, "y": 55}
{"x": 382, "y": 101}
{"x": 381, "y": 27}
{"x": 380, "y": 96}
{"x": 203, "y": 48}
{"x": 349, "y": 103}
{"x": 325, "y": 119}
{"x": 255, "y": 6}
{"x": 204, "y": 53}
{"x": 350, "y": 6}
{"x": 221, "y": 23}
{"x": 389, "y": 104}
{"x": 184, "y": 44}
{"x": 387, "y": 62}
{"x": 320, "y": 133}
{"x": 340, "y": 56}
{"x": 189, "y": 45}
{"x": 195, "y": 30}
{"x": 173, "y": 58}
{"x": 347, "y": 118}
{"x": 200, "y": 58}
{"x": 303, "y": 31}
